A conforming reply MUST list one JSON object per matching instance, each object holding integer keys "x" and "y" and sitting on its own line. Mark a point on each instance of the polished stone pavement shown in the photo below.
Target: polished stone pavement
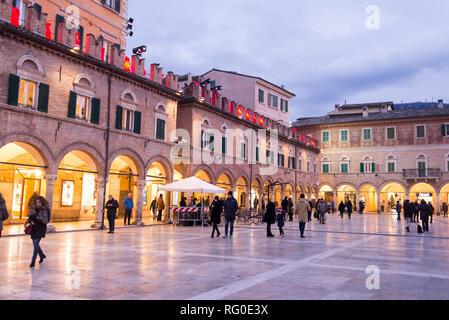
{"x": 166, "y": 262}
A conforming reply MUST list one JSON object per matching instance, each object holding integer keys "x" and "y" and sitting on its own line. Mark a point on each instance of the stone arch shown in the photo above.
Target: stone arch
{"x": 228, "y": 173}
{"x": 206, "y": 169}
{"x": 40, "y": 146}
{"x": 160, "y": 107}
{"x": 364, "y": 184}
{"x": 385, "y": 183}
{"x": 245, "y": 176}
{"x": 95, "y": 155}
{"x": 86, "y": 76}
{"x": 134, "y": 156}
{"x": 345, "y": 184}
{"x": 166, "y": 164}
{"x": 31, "y": 58}
{"x": 130, "y": 92}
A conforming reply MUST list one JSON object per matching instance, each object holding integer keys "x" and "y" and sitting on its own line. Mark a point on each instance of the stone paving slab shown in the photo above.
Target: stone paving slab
{"x": 167, "y": 262}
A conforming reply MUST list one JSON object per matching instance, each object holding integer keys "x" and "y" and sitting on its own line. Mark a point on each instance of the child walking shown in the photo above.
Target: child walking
{"x": 280, "y": 218}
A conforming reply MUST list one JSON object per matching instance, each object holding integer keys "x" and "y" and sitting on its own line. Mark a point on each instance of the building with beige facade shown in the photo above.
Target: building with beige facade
{"x": 379, "y": 154}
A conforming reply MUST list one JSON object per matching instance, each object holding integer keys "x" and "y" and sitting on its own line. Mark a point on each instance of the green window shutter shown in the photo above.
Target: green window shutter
{"x": 362, "y": 168}
{"x": 202, "y": 139}
{"x": 81, "y": 32}
{"x": 119, "y": 118}
{"x": 160, "y": 129}
{"x": 444, "y": 132}
{"x": 294, "y": 163}
{"x": 282, "y": 104}
{"x": 38, "y": 9}
{"x": 117, "y": 6}
{"x": 13, "y": 91}
{"x": 72, "y": 105}
{"x": 223, "y": 145}
{"x": 286, "y": 106}
{"x": 373, "y": 167}
{"x": 137, "y": 121}
{"x": 44, "y": 93}
{"x": 211, "y": 143}
{"x": 95, "y": 111}
{"x": 14, "y": 3}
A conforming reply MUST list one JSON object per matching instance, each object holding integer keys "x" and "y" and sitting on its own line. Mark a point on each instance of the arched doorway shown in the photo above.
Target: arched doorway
{"x": 255, "y": 194}
{"x": 242, "y": 192}
{"x": 156, "y": 176}
{"x": 224, "y": 181}
{"x": 327, "y": 194}
{"x": 123, "y": 176}
{"x": 345, "y": 193}
{"x": 314, "y": 193}
{"x": 368, "y": 194}
{"x": 389, "y": 195}
{"x": 205, "y": 176}
{"x": 22, "y": 170}
{"x": 289, "y": 191}
{"x": 278, "y": 193}
{"x": 423, "y": 191}
{"x": 444, "y": 195}
{"x": 75, "y": 190}
{"x": 299, "y": 191}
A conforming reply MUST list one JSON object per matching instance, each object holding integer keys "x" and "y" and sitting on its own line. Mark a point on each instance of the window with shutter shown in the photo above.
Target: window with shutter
{"x": 13, "y": 91}
{"x": 95, "y": 111}
{"x": 160, "y": 129}
{"x": 44, "y": 92}
{"x": 119, "y": 118}
{"x": 137, "y": 121}
{"x": 58, "y": 27}
{"x": 224, "y": 144}
{"x": 72, "y": 105}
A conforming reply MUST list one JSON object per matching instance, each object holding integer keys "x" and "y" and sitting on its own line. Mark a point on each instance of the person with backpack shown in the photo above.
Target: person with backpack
{"x": 408, "y": 214}
{"x": 111, "y": 209}
{"x": 4, "y": 215}
{"x": 341, "y": 209}
{"x": 425, "y": 213}
{"x": 230, "y": 210}
{"x": 216, "y": 208}
{"x": 301, "y": 210}
{"x": 38, "y": 218}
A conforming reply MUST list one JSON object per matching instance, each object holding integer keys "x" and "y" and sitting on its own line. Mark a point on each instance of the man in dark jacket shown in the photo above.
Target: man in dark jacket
{"x": 341, "y": 209}
{"x": 399, "y": 209}
{"x": 216, "y": 208}
{"x": 111, "y": 208}
{"x": 408, "y": 213}
{"x": 290, "y": 210}
{"x": 444, "y": 208}
{"x": 424, "y": 210}
{"x": 349, "y": 207}
{"x": 270, "y": 217}
{"x": 415, "y": 212}
{"x": 230, "y": 209}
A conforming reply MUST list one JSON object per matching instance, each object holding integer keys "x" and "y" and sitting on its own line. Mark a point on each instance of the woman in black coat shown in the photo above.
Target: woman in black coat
{"x": 38, "y": 218}
{"x": 270, "y": 218}
{"x": 341, "y": 208}
{"x": 216, "y": 209}
{"x": 425, "y": 213}
{"x": 409, "y": 208}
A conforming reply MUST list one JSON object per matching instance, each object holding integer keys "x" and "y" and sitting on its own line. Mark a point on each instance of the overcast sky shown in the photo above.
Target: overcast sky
{"x": 321, "y": 50}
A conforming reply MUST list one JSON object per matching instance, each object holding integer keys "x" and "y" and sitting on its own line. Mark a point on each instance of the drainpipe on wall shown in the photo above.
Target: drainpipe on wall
{"x": 108, "y": 131}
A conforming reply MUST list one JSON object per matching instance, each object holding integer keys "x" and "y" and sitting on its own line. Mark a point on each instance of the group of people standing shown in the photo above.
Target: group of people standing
{"x": 415, "y": 211}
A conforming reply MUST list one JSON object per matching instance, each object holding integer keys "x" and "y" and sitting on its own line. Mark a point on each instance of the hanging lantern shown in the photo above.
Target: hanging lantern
{"x": 240, "y": 111}
{"x": 127, "y": 64}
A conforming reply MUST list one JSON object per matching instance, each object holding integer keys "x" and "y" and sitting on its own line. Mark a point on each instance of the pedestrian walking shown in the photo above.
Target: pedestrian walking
{"x": 290, "y": 209}
{"x": 284, "y": 205}
{"x": 321, "y": 208}
{"x": 408, "y": 214}
{"x": 230, "y": 210}
{"x": 398, "y": 210}
{"x": 431, "y": 211}
{"x": 349, "y": 208}
{"x": 153, "y": 207}
{"x": 4, "y": 215}
{"x": 341, "y": 209}
{"x": 281, "y": 223}
{"x": 444, "y": 208}
{"x": 38, "y": 218}
{"x": 361, "y": 206}
{"x": 425, "y": 213}
{"x": 160, "y": 207}
{"x": 216, "y": 208}
{"x": 270, "y": 217}
{"x": 301, "y": 210}
{"x": 415, "y": 212}
{"x": 111, "y": 209}
{"x": 129, "y": 205}
{"x": 309, "y": 212}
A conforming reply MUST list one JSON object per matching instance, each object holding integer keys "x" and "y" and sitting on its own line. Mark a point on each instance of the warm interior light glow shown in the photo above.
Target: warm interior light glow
{"x": 127, "y": 64}
{"x": 247, "y": 115}
{"x": 239, "y": 111}
{"x": 261, "y": 121}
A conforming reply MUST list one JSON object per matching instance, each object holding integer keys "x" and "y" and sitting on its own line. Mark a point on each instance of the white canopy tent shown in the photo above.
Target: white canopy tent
{"x": 192, "y": 184}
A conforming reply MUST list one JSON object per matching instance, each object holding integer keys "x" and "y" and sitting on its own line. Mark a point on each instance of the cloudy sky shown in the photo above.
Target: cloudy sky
{"x": 322, "y": 50}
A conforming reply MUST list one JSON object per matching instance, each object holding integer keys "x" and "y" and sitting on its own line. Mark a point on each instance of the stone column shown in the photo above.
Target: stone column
{"x": 378, "y": 201}
{"x": 139, "y": 205}
{"x": 438, "y": 205}
{"x": 99, "y": 189}
{"x": 50, "y": 182}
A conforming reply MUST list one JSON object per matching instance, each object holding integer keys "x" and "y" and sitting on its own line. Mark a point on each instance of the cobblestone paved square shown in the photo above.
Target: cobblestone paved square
{"x": 166, "y": 262}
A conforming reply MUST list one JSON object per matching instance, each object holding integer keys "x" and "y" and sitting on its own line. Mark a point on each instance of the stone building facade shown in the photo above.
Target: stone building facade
{"x": 76, "y": 128}
{"x": 380, "y": 155}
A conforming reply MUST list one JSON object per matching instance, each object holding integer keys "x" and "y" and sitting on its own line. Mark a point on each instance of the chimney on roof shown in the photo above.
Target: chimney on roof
{"x": 441, "y": 103}
{"x": 189, "y": 78}
{"x": 365, "y": 112}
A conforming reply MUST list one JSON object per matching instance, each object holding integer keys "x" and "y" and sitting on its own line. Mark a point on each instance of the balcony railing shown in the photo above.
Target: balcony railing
{"x": 430, "y": 173}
